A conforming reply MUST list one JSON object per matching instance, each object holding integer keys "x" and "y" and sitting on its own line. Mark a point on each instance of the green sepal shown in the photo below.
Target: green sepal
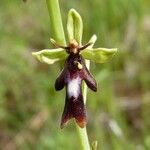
{"x": 98, "y": 55}
{"x": 74, "y": 26}
{"x": 50, "y": 56}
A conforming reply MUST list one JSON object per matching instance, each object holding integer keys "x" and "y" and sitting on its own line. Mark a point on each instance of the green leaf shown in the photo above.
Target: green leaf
{"x": 50, "y": 56}
{"x": 74, "y": 26}
{"x": 98, "y": 55}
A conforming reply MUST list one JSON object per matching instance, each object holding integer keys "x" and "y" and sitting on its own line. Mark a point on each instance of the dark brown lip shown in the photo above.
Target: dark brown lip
{"x": 74, "y": 106}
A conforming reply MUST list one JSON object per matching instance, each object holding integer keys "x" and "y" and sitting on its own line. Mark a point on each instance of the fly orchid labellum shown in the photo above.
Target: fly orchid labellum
{"x": 71, "y": 77}
{"x": 75, "y": 70}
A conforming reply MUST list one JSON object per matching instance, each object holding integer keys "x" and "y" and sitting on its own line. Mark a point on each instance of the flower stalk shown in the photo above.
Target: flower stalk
{"x": 75, "y": 69}
{"x": 56, "y": 25}
{"x": 57, "y": 28}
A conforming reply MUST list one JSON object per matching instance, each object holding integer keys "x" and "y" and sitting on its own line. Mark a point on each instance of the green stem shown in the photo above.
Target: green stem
{"x": 56, "y": 25}
{"x": 83, "y": 138}
{"x": 59, "y": 36}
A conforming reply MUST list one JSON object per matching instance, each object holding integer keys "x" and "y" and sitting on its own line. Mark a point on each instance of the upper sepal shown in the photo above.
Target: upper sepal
{"x": 74, "y": 26}
{"x": 50, "y": 56}
{"x": 99, "y": 55}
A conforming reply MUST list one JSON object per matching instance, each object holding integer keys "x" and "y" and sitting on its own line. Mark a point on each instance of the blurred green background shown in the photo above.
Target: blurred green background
{"x": 30, "y": 108}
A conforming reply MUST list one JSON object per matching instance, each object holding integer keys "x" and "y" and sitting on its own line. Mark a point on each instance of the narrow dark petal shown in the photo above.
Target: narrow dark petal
{"x": 85, "y": 46}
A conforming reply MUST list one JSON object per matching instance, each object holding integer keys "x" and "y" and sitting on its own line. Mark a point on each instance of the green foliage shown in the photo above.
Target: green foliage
{"x": 30, "y": 109}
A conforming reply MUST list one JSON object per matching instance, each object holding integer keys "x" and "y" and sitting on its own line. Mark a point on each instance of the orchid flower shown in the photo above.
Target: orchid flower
{"x": 75, "y": 70}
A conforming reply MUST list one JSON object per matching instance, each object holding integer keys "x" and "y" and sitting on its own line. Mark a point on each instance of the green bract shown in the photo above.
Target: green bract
{"x": 75, "y": 29}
